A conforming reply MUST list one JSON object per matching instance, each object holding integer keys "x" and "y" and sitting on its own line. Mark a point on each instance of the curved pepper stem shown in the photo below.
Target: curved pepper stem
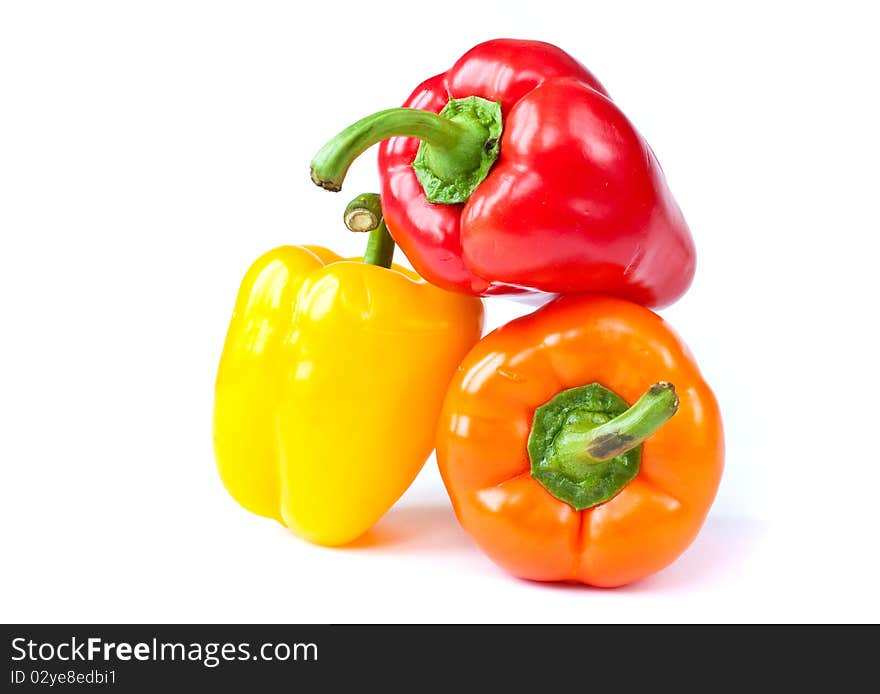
{"x": 624, "y": 432}
{"x": 364, "y": 214}
{"x": 585, "y": 443}
{"x": 459, "y": 146}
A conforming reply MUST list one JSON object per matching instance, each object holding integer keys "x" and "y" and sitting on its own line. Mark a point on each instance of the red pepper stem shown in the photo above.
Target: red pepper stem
{"x": 459, "y": 146}
{"x": 364, "y": 213}
{"x": 331, "y": 163}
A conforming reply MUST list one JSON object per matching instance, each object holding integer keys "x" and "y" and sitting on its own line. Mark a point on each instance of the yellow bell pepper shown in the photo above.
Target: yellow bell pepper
{"x": 330, "y": 385}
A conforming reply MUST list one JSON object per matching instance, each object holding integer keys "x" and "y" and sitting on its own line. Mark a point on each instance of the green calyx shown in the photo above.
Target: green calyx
{"x": 459, "y": 146}
{"x": 585, "y": 443}
{"x": 451, "y": 175}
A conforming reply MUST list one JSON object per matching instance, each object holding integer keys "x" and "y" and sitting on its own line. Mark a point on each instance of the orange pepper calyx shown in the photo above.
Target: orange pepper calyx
{"x": 585, "y": 443}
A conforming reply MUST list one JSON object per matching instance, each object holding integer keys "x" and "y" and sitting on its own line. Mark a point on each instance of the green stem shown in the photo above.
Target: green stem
{"x": 364, "y": 213}
{"x": 380, "y": 247}
{"x": 585, "y": 443}
{"x": 621, "y": 434}
{"x": 459, "y": 145}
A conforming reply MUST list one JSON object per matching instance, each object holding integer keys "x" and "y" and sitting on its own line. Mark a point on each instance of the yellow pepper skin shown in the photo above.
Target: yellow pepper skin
{"x": 330, "y": 385}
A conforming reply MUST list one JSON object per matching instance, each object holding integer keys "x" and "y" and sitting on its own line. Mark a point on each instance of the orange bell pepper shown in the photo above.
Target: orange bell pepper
{"x": 550, "y": 470}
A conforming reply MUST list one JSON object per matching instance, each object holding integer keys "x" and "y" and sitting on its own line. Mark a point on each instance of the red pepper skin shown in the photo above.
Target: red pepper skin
{"x": 576, "y": 202}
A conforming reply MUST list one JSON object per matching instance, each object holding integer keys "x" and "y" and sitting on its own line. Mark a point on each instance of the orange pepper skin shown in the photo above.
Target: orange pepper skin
{"x": 487, "y": 417}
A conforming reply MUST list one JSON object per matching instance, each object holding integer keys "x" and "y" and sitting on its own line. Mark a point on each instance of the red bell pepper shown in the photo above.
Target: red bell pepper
{"x": 576, "y": 201}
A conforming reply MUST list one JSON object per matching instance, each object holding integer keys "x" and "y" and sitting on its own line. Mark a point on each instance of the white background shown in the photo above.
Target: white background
{"x": 150, "y": 151}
